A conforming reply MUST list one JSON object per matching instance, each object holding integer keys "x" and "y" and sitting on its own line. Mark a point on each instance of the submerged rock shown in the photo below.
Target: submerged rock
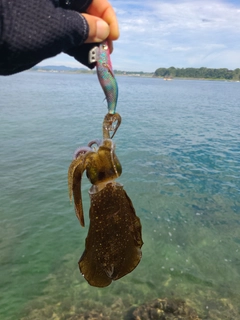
{"x": 163, "y": 309}
{"x": 91, "y": 315}
{"x": 126, "y": 309}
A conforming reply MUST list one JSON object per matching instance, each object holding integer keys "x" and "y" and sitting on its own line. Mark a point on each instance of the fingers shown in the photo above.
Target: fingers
{"x": 98, "y": 29}
{"x": 104, "y": 10}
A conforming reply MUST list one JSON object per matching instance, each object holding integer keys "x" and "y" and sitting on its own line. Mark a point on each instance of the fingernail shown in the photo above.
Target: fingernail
{"x": 102, "y": 30}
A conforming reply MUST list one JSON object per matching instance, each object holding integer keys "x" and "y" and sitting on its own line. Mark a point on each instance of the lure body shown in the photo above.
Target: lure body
{"x": 106, "y": 76}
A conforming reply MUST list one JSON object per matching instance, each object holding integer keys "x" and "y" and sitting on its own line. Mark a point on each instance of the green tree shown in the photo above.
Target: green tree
{"x": 199, "y": 73}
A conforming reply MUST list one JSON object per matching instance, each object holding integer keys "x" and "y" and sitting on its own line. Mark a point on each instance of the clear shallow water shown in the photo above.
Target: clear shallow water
{"x": 179, "y": 145}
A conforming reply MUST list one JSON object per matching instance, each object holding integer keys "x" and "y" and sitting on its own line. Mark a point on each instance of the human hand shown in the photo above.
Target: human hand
{"x": 106, "y": 27}
{"x": 100, "y": 16}
{"x": 42, "y": 30}
{"x": 102, "y": 22}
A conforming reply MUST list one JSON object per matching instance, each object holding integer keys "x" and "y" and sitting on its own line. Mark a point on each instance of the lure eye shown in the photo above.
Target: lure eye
{"x": 105, "y": 47}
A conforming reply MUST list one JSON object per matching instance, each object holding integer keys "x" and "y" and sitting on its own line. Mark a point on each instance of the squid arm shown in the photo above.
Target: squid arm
{"x": 75, "y": 173}
{"x": 111, "y": 122}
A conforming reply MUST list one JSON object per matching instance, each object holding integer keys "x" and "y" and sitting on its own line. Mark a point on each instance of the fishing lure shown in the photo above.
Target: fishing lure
{"x": 101, "y": 56}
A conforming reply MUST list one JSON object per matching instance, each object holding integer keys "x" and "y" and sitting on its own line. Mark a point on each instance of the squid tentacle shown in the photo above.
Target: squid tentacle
{"x": 75, "y": 173}
{"x": 111, "y": 123}
{"x": 95, "y": 141}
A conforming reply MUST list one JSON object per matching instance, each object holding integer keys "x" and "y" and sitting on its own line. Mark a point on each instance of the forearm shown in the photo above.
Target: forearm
{"x": 33, "y": 30}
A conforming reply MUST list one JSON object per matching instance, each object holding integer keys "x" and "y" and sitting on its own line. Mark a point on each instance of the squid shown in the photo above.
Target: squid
{"x": 114, "y": 240}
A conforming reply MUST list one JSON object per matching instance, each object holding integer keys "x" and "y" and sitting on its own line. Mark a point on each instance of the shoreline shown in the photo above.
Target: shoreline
{"x": 135, "y": 75}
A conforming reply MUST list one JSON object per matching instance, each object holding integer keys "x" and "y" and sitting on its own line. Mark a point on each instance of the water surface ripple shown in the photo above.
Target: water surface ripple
{"x": 179, "y": 145}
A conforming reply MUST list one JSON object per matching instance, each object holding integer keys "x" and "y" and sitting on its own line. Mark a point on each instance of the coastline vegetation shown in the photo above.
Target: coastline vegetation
{"x": 199, "y": 73}
{"x": 166, "y": 73}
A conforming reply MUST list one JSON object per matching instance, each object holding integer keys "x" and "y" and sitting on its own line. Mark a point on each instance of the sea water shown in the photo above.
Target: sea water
{"x": 179, "y": 146}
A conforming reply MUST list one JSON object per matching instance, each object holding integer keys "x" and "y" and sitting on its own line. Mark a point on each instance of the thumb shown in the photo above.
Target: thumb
{"x": 98, "y": 29}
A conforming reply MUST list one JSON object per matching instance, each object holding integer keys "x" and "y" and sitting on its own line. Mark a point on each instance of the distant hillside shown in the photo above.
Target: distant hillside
{"x": 59, "y": 69}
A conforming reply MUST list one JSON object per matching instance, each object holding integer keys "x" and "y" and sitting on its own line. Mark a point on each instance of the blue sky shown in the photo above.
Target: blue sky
{"x": 179, "y": 33}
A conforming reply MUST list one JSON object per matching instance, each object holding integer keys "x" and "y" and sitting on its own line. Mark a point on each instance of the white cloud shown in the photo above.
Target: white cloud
{"x": 180, "y": 33}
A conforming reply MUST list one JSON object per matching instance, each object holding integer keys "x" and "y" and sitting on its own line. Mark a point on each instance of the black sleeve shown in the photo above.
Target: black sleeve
{"x": 77, "y": 5}
{"x": 33, "y": 30}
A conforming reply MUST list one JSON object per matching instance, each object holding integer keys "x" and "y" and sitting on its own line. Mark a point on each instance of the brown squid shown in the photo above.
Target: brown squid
{"x": 114, "y": 241}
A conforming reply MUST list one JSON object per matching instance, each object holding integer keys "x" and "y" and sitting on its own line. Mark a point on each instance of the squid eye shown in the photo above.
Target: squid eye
{"x": 92, "y": 174}
{"x": 105, "y": 47}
